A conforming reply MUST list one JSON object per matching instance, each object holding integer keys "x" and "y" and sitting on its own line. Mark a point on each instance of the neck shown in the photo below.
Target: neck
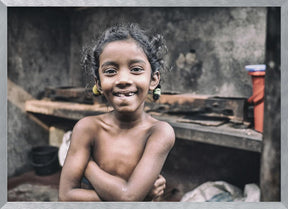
{"x": 128, "y": 120}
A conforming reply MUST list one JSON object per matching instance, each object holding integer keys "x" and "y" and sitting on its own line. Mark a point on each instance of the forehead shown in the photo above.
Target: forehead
{"x": 122, "y": 48}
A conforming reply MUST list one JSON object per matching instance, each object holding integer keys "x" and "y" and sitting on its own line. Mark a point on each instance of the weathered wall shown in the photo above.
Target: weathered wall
{"x": 45, "y": 50}
{"x": 225, "y": 40}
{"x": 38, "y": 56}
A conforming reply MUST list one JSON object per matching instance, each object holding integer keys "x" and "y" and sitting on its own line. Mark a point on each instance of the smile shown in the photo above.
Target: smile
{"x": 124, "y": 94}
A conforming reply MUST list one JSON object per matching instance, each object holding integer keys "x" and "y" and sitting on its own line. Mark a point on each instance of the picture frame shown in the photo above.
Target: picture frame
{"x": 118, "y": 3}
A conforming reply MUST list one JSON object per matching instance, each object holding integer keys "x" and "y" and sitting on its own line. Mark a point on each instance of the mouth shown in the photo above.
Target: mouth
{"x": 124, "y": 93}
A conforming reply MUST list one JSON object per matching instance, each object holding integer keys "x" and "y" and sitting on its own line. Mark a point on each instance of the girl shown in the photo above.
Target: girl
{"x": 127, "y": 146}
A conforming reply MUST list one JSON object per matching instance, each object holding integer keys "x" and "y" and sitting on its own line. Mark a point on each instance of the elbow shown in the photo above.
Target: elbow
{"x": 63, "y": 196}
{"x": 129, "y": 197}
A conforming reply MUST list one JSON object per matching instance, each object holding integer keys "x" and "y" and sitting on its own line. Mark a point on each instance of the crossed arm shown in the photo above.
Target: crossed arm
{"x": 109, "y": 187}
{"x": 75, "y": 164}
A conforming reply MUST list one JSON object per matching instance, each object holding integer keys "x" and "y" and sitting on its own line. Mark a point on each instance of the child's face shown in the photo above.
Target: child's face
{"x": 125, "y": 75}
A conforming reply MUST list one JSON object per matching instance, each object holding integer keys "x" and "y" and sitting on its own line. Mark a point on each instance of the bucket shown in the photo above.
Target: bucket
{"x": 44, "y": 160}
{"x": 258, "y": 80}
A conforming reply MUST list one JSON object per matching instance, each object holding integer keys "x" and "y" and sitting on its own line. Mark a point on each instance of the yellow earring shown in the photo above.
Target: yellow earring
{"x": 157, "y": 92}
{"x": 95, "y": 90}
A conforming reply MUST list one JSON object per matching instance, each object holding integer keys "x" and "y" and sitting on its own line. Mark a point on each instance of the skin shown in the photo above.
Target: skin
{"x": 128, "y": 146}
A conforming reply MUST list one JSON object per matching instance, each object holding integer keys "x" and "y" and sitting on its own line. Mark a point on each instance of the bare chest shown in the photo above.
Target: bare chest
{"x": 118, "y": 154}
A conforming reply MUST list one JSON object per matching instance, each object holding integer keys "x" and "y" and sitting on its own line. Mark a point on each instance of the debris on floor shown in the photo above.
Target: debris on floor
{"x": 31, "y": 192}
{"x": 220, "y": 191}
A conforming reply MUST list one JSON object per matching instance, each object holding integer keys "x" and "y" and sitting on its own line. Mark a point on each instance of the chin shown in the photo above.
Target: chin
{"x": 125, "y": 110}
{"x": 128, "y": 109}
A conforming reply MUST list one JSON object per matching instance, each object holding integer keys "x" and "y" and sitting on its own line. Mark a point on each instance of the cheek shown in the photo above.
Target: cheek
{"x": 145, "y": 83}
{"x": 105, "y": 87}
{"x": 104, "y": 82}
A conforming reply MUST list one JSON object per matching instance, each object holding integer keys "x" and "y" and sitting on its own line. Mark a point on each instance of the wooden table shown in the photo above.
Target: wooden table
{"x": 222, "y": 135}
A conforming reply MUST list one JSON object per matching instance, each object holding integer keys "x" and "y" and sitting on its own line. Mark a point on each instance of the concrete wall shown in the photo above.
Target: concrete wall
{"x": 45, "y": 50}
{"x": 225, "y": 40}
{"x": 38, "y": 57}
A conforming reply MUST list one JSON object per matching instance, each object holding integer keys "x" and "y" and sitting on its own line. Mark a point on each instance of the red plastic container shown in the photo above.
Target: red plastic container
{"x": 258, "y": 80}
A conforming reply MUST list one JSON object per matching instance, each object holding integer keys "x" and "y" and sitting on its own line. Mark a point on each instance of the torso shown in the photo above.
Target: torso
{"x": 118, "y": 150}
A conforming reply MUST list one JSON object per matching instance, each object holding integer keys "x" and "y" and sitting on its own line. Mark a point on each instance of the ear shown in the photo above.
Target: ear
{"x": 98, "y": 84}
{"x": 155, "y": 79}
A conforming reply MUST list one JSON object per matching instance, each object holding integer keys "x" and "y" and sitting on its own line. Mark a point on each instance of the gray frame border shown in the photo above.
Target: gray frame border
{"x": 154, "y": 3}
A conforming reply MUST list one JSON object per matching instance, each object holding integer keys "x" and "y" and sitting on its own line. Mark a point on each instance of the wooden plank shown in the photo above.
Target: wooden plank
{"x": 226, "y": 107}
{"x": 224, "y": 135}
{"x": 270, "y": 174}
{"x": 66, "y": 110}
{"x": 70, "y": 94}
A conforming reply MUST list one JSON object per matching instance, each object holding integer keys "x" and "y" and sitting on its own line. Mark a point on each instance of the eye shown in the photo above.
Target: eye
{"x": 137, "y": 70}
{"x": 109, "y": 71}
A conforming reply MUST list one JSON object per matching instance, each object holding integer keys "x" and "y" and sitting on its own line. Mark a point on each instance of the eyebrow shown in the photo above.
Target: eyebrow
{"x": 137, "y": 61}
{"x": 109, "y": 63}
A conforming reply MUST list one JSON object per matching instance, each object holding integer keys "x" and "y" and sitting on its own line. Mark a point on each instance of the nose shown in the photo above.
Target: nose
{"x": 124, "y": 79}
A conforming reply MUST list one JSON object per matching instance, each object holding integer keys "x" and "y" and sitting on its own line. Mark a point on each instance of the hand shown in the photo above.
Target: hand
{"x": 158, "y": 189}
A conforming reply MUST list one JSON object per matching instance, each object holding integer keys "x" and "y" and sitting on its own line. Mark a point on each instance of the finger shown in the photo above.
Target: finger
{"x": 160, "y": 181}
{"x": 161, "y": 193}
{"x": 161, "y": 187}
{"x": 159, "y": 190}
{"x": 161, "y": 177}
{"x": 158, "y": 197}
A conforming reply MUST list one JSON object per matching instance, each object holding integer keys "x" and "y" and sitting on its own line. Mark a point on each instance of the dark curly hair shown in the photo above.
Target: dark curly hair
{"x": 154, "y": 47}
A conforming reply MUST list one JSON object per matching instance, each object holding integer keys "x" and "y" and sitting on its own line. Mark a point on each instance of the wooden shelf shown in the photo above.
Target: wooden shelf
{"x": 222, "y": 135}
{"x": 67, "y": 110}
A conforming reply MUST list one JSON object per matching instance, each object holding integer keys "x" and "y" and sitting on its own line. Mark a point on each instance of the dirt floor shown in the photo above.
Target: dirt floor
{"x": 34, "y": 188}
{"x": 31, "y": 187}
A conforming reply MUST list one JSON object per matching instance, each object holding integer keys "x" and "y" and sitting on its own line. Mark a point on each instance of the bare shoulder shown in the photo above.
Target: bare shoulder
{"x": 89, "y": 122}
{"x": 163, "y": 133}
{"x": 86, "y": 128}
{"x": 162, "y": 126}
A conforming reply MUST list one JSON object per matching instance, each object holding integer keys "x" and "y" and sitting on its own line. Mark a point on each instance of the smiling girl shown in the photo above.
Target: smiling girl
{"x": 122, "y": 152}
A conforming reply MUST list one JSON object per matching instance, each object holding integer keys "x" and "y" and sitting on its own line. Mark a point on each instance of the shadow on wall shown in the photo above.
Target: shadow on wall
{"x": 20, "y": 137}
{"x": 190, "y": 67}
